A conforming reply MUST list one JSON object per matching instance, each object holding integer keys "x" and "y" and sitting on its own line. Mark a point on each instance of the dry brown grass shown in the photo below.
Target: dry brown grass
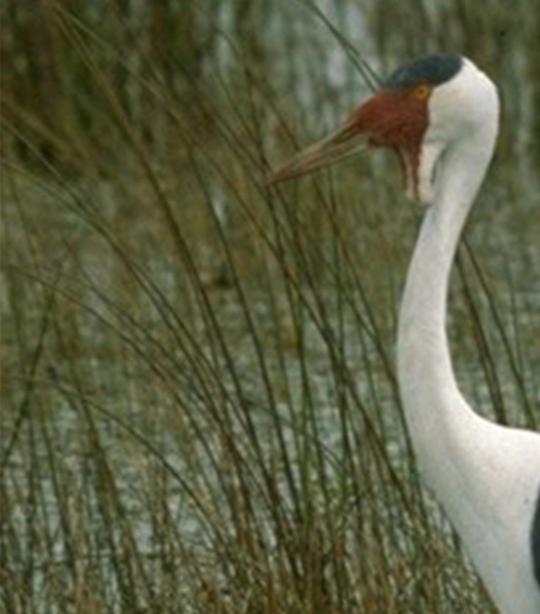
{"x": 200, "y": 410}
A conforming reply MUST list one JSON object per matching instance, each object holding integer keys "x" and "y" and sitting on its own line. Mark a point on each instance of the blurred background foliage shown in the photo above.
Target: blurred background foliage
{"x": 50, "y": 94}
{"x": 199, "y": 404}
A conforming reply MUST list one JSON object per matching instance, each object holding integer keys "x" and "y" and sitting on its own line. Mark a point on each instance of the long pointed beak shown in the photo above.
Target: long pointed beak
{"x": 347, "y": 140}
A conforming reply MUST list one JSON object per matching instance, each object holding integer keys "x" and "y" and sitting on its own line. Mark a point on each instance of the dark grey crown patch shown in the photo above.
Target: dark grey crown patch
{"x": 434, "y": 69}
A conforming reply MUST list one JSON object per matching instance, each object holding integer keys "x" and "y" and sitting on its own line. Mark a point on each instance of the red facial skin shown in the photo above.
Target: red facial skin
{"x": 397, "y": 119}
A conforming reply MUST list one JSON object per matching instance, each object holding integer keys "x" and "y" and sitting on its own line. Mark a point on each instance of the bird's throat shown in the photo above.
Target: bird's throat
{"x": 434, "y": 407}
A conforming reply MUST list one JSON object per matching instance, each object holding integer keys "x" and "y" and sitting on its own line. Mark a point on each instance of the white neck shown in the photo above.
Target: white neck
{"x": 435, "y": 411}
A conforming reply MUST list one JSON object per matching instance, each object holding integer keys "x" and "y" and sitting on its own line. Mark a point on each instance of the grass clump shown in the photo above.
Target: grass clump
{"x": 199, "y": 404}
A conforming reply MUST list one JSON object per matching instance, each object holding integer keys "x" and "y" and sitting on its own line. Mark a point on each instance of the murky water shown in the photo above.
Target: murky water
{"x": 132, "y": 373}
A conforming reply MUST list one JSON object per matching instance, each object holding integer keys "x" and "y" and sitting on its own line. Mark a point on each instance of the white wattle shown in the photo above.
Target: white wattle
{"x": 487, "y": 477}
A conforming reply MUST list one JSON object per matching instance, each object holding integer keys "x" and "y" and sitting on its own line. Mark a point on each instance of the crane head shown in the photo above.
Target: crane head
{"x": 417, "y": 112}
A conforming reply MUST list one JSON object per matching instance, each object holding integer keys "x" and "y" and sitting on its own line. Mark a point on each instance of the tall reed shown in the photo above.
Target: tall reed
{"x": 200, "y": 408}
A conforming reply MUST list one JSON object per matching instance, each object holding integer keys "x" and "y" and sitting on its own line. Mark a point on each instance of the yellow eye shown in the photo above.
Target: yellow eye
{"x": 422, "y": 91}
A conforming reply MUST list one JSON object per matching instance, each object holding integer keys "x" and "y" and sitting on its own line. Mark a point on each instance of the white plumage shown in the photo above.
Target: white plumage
{"x": 487, "y": 477}
{"x": 441, "y": 115}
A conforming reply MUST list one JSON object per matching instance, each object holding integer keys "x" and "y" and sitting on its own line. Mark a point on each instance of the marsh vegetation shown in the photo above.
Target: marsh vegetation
{"x": 199, "y": 402}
